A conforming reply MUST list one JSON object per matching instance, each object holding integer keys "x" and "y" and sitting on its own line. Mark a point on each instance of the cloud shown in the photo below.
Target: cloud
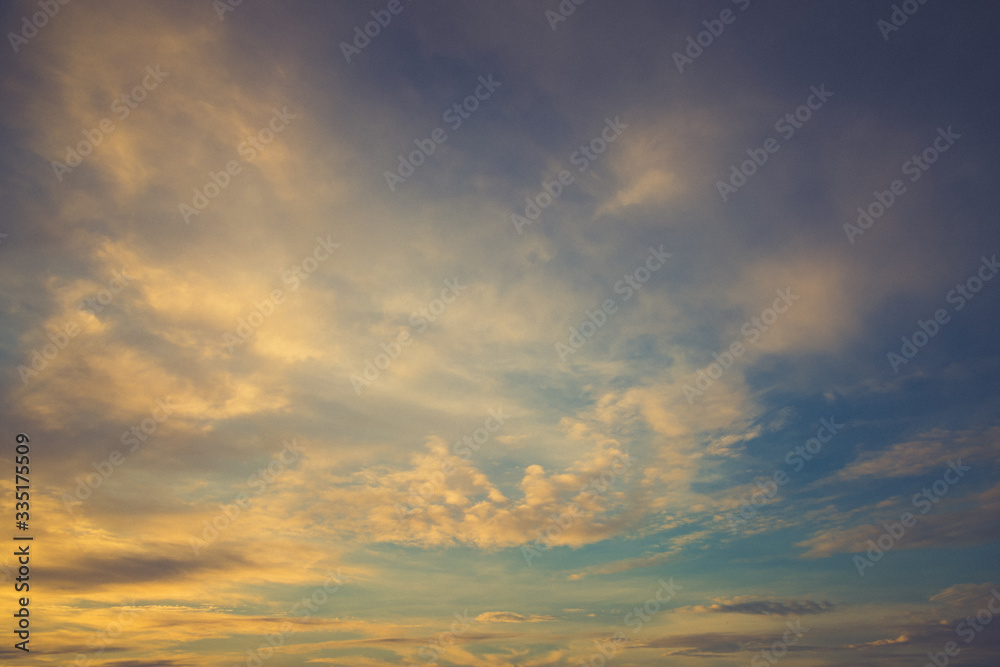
{"x": 822, "y": 316}
{"x": 712, "y": 644}
{"x": 929, "y": 451}
{"x": 95, "y": 572}
{"x": 445, "y": 499}
{"x": 766, "y": 607}
{"x": 676, "y": 545}
{"x": 961, "y": 598}
{"x": 368, "y": 456}
{"x": 953, "y": 522}
{"x": 510, "y": 617}
{"x": 901, "y": 639}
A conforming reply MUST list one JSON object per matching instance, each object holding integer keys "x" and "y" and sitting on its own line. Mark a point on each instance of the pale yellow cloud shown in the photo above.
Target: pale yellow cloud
{"x": 821, "y": 311}
{"x": 656, "y": 164}
{"x": 510, "y": 617}
{"x": 444, "y": 499}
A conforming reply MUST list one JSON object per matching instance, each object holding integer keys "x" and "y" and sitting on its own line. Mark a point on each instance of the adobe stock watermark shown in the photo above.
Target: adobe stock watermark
{"x": 627, "y": 286}
{"x": 796, "y": 458}
{"x": 779, "y": 648}
{"x": 786, "y": 126}
{"x": 635, "y": 620}
{"x": 248, "y": 149}
{"x": 294, "y": 276}
{"x": 135, "y": 437}
{"x": 914, "y": 168}
{"x": 898, "y": 18}
{"x": 258, "y": 481}
{"x": 565, "y": 9}
{"x": 372, "y": 29}
{"x": 39, "y": 360}
{"x": 121, "y": 107}
{"x": 463, "y": 447}
{"x": 928, "y": 329}
{"x": 751, "y": 330}
{"x": 558, "y": 523}
{"x": 320, "y": 596}
{"x": 581, "y": 158}
{"x": 925, "y": 501}
{"x": 223, "y": 6}
{"x": 967, "y": 630}
{"x": 454, "y": 116}
{"x": 419, "y": 320}
{"x": 95, "y": 303}
{"x": 38, "y": 20}
{"x": 714, "y": 28}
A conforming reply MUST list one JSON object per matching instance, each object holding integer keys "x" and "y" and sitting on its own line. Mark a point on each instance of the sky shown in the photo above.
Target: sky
{"x": 534, "y": 333}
